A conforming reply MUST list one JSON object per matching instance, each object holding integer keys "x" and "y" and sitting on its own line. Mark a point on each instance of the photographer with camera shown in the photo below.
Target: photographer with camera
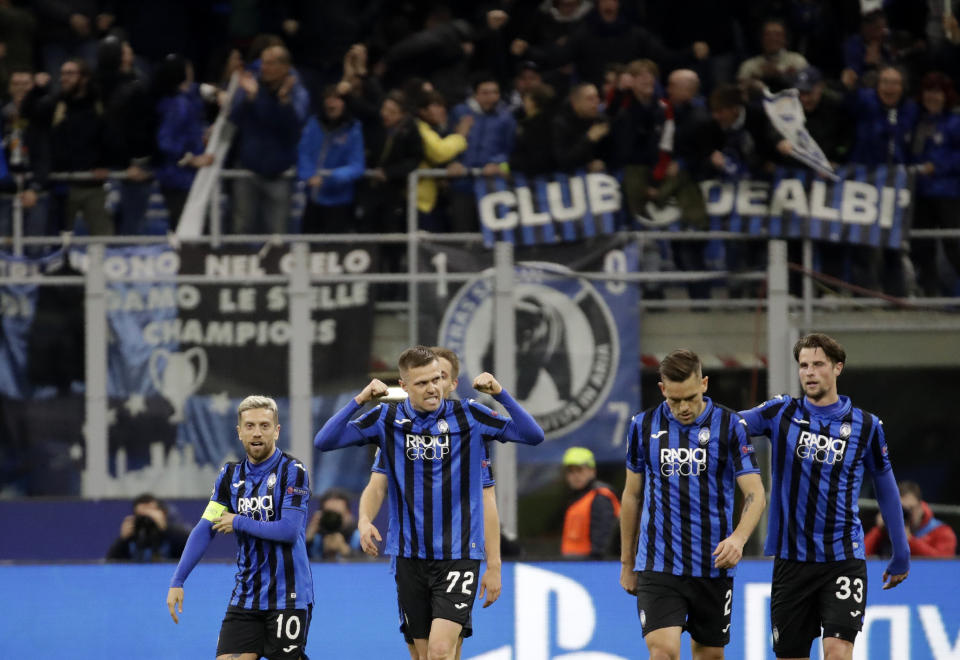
{"x": 332, "y": 531}
{"x": 148, "y": 534}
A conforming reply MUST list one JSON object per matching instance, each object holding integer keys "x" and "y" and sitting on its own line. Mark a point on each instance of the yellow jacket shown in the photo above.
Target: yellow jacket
{"x": 436, "y": 151}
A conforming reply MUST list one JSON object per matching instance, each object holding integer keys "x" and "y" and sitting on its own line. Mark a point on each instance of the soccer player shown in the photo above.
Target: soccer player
{"x": 376, "y": 491}
{"x": 264, "y": 500}
{"x": 433, "y": 453}
{"x": 820, "y": 446}
{"x": 682, "y": 460}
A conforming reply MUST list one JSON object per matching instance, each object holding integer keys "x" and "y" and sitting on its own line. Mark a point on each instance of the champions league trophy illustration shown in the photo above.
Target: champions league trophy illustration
{"x": 180, "y": 378}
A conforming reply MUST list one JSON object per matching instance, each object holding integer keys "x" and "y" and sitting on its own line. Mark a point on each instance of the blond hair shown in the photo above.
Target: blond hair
{"x": 256, "y": 401}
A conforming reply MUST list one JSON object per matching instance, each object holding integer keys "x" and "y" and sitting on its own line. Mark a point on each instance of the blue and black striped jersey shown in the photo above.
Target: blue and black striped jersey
{"x": 270, "y": 575}
{"x": 689, "y": 473}
{"x": 437, "y": 467}
{"x": 818, "y": 459}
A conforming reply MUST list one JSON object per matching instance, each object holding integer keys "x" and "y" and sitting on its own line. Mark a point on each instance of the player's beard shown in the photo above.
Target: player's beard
{"x": 817, "y": 394}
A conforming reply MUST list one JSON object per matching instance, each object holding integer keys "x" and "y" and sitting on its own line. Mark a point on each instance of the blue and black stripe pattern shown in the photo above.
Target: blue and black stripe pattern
{"x": 437, "y": 467}
{"x": 270, "y": 575}
{"x": 688, "y": 473}
{"x": 818, "y": 463}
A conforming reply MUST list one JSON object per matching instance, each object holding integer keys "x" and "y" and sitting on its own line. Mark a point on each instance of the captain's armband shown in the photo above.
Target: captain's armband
{"x": 213, "y": 511}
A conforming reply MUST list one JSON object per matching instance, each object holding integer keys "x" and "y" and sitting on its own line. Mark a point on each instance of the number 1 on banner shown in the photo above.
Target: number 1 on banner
{"x": 439, "y": 261}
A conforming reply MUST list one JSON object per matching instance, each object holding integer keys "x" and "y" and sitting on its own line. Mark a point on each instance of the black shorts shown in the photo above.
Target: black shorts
{"x": 408, "y": 638}
{"x": 436, "y": 589}
{"x": 807, "y": 596}
{"x": 273, "y": 634}
{"x": 699, "y": 605}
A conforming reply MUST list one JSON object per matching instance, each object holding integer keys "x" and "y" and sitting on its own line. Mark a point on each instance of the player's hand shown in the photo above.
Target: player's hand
{"x": 490, "y": 583}
{"x": 728, "y": 552}
{"x": 485, "y": 383}
{"x": 127, "y": 526}
{"x": 175, "y": 601}
{"x": 890, "y": 581}
{"x": 369, "y": 539}
{"x": 628, "y": 578}
{"x": 376, "y": 388}
{"x": 224, "y": 524}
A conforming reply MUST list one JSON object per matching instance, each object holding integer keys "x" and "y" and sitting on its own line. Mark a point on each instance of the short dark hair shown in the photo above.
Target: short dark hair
{"x": 726, "y": 96}
{"x": 483, "y": 77}
{"x": 449, "y": 356}
{"x": 910, "y": 488}
{"x": 335, "y": 493}
{"x": 831, "y": 347}
{"x": 542, "y": 96}
{"x": 415, "y": 356}
{"x": 148, "y": 498}
{"x": 679, "y": 365}
{"x": 399, "y": 98}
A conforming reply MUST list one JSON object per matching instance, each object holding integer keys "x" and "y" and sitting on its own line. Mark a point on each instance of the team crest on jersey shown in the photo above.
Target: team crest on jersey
{"x": 703, "y": 437}
{"x": 567, "y": 342}
{"x": 272, "y": 480}
{"x": 845, "y": 430}
{"x": 442, "y": 426}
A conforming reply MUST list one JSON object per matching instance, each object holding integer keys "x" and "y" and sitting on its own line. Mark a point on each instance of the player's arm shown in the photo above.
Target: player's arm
{"x": 339, "y": 431}
{"x": 758, "y": 419}
{"x": 197, "y": 544}
{"x": 877, "y": 461}
{"x": 292, "y": 521}
{"x": 521, "y": 427}
{"x": 371, "y": 499}
{"x": 629, "y": 529}
{"x": 730, "y": 550}
{"x": 491, "y": 581}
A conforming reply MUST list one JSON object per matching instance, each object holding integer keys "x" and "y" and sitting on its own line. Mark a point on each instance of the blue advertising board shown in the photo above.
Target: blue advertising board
{"x": 548, "y": 611}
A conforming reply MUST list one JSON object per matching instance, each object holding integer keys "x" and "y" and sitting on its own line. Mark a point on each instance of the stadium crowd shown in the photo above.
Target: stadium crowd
{"x": 354, "y": 96}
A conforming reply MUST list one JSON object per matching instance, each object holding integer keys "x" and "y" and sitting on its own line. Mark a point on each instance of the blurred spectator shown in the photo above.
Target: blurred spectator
{"x": 689, "y": 165}
{"x": 528, "y": 76}
{"x": 363, "y": 95}
{"x": 681, "y": 23}
{"x": 533, "y": 153}
{"x": 741, "y": 135}
{"x": 332, "y": 531}
{"x": 590, "y": 521}
{"x": 607, "y": 36}
{"x": 149, "y": 534}
{"x": 75, "y": 117}
{"x": 69, "y": 29}
{"x": 865, "y": 53}
{"x": 742, "y": 141}
{"x": 827, "y": 118}
{"x": 831, "y": 126}
{"x": 884, "y": 121}
{"x": 439, "y": 148}
{"x": 269, "y": 113}
{"x": 439, "y": 52}
{"x": 581, "y": 132}
{"x": 489, "y": 144}
{"x": 396, "y": 151}
{"x": 935, "y": 151}
{"x": 17, "y": 30}
{"x": 129, "y": 136}
{"x": 27, "y": 154}
{"x": 180, "y": 128}
{"x": 556, "y": 23}
{"x": 636, "y": 135}
{"x": 333, "y": 142}
{"x": 927, "y": 536}
{"x": 816, "y": 29}
{"x": 775, "y": 66}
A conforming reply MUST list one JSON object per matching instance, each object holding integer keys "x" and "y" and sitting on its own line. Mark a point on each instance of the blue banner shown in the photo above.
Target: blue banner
{"x": 866, "y": 206}
{"x": 577, "y": 344}
{"x": 547, "y": 611}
